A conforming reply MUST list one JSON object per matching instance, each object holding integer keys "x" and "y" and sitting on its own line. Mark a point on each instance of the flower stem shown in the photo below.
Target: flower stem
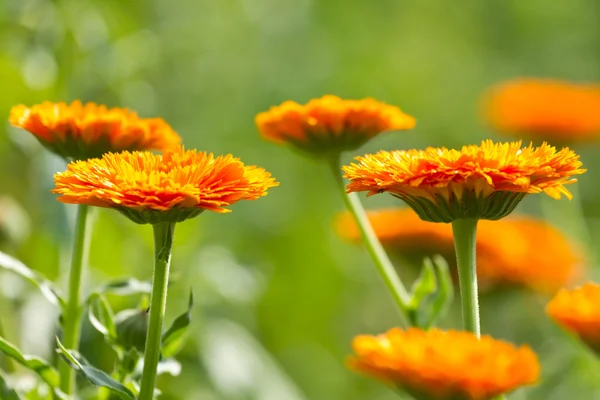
{"x": 163, "y": 243}
{"x": 465, "y": 233}
{"x": 72, "y": 314}
{"x": 378, "y": 255}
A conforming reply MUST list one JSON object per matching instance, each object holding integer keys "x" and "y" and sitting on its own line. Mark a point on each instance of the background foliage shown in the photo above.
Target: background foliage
{"x": 279, "y": 296}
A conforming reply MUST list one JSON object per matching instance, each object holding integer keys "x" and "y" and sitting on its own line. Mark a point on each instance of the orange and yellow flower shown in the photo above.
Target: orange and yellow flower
{"x": 150, "y": 188}
{"x": 445, "y": 365}
{"x": 577, "y": 310}
{"x": 553, "y": 110}
{"x": 482, "y": 182}
{"x": 79, "y": 131}
{"x": 329, "y": 124}
{"x": 508, "y": 251}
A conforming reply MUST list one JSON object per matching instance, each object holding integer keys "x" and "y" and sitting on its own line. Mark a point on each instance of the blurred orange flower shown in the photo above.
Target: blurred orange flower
{"x": 444, "y": 365}
{"x": 329, "y": 124}
{"x": 480, "y": 182}
{"x": 508, "y": 251}
{"x": 553, "y": 110}
{"x": 150, "y": 188}
{"x": 578, "y": 311}
{"x": 77, "y": 131}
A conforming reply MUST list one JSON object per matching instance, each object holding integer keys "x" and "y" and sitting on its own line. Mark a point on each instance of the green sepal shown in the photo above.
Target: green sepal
{"x": 469, "y": 206}
{"x": 95, "y": 376}
{"x": 132, "y": 329}
{"x": 46, "y": 287}
{"x": 174, "y": 338}
{"x": 7, "y": 392}
{"x": 36, "y": 364}
{"x": 148, "y": 216}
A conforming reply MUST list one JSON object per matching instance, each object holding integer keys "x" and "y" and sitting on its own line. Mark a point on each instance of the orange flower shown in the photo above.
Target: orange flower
{"x": 508, "y": 251}
{"x": 480, "y": 182}
{"x": 577, "y": 310}
{"x": 150, "y": 188}
{"x": 442, "y": 365}
{"x": 330, "y": 124}
{"x": 80, "y": 132}
{"x": 551, "y": 109}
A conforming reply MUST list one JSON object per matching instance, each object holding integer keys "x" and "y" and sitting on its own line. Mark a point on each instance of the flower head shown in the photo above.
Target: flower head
{"x": 553, "y": 110}
{"x": 508, "y": 251}
{"x": 482, "y": 182}
{"x": 329, "y": 124}
{"x": 80, "y": 131}
{"x": 445, "y": 365}
{"x": 150, "y": 188}
{"x": 577, "y": 310}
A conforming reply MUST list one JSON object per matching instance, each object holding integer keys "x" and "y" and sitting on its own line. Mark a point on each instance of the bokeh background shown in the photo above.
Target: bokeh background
{"x": 279, "y": 295}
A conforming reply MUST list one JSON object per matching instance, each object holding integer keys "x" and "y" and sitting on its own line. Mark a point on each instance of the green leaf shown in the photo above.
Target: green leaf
{"x": 101, "y": 317}
{"x": 174, "y": 338}
{"x": 6, "y": 392}
{"x": 168, "y": 366}
{"x": 94, "y": 375}
{"x": 424, "y": 286}
{"x": 36, "y": 364}
{"x": 445, "y": 294}
{"x": 125, "y": 287}
{"x": 129, "y": 362}
{"x": 47, "y": 288}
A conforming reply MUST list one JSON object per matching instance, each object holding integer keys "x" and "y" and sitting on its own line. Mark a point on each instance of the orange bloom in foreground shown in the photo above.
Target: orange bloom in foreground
{"x": 329, "y": 124}
{"x": 578, "y": 311}
{"x": 444, "y": 365}
{"x": 150, "y": 188}
{"x": 517, "y": 250}
{"x": 79, "y": 132}
{"x": 551, "y": 109}
{"x": 483, "y": 182}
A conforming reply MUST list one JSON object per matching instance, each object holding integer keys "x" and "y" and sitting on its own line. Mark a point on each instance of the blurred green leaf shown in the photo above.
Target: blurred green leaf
{"x": 125, "y": 287}
{"x": 422, "y": 288}
{"x": 36, "y": 364}
{"x": 169, "y": 366}
{"x": 174, "y": 338}
{"x": 94, "y": 375}
{"x": 101, "y": 317}
{"x": 129, "y": 362}
{"x": 6, "y": 392}
{"x": 47, "y": 288}
{"x": 443, "y": 297}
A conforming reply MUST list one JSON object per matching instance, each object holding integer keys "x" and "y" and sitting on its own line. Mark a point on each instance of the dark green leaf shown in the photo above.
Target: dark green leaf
{"x": 130, "y": 361}
{"x": 46, "y": 287}
{"x": 94, "y": 375}
{"x": 174, "y": 338}
{"x": 36, "y": 364}
{"x": 445, "y": 294}
{"x": 6, "y": 392}
{"x": 102, "y": 318}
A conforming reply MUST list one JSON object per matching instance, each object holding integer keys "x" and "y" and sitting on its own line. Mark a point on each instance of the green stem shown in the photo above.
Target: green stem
{"x": 378, "y": 255}
{"x": 163, "y": 243}
{"x": 72, "y": 314}
{"x": 465, "y": 235}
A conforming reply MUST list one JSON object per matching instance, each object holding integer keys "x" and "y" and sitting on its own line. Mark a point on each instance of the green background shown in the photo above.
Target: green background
{"x": 279, "y": 295}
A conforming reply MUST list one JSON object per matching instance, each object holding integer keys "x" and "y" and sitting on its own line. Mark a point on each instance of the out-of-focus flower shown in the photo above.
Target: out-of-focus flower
{"x": 553, "y": 110}
{"x": 79, "y": 131}
{"x": 577, "y": 310}
{"x": 508, "y": 251}
{"x": 330, "y": 125}
{"x": 477, "y": 182}
{"x": 445, "y": 365}
{"x": 151, "y": 188}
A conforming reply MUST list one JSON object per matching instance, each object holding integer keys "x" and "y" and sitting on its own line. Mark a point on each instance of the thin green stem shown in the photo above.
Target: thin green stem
{"x": 378, "y": 255}
{"x": 465, "y": 234}
{"x": 163, "y": 243}
{"x": 72, "y": 314}
{"x": 7, "y": 363}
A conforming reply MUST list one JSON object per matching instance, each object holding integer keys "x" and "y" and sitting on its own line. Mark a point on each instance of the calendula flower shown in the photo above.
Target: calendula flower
{"x": 553, "y": 110}
{"x": 330, "y": 125}
{"x": 444, "y": 365}
{"x": 577, "y": 310}
{"x": 476, "y": 182}
{"x": 79, "y": 131}
{"x": 174, "y": 186}
{"x": 508, "y": 251}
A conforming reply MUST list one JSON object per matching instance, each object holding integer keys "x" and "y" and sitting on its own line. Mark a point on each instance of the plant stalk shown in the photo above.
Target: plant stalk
{"x": 378, "y": 255}
{"x": 465, "y": 234}
{"x": 163, "y": 244}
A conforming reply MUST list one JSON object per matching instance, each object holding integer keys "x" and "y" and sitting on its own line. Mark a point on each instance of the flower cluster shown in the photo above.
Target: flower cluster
{"x": 445, "y": 365}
